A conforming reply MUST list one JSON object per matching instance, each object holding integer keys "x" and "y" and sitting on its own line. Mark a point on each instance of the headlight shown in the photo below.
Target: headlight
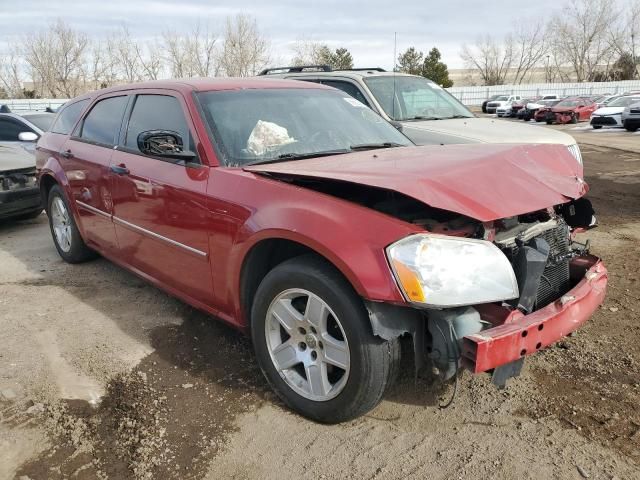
{"x": 575, "y": 151}
{"x": 441, "y": 271}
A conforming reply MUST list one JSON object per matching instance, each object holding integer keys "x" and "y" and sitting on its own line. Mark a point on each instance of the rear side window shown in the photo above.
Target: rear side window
{"x": 102, "y": 124}
{"x": 9, "y": 129}
{"x": 348, "y": 88}
{"x": 68, "y": 117}
{"x": 157, "y": 112}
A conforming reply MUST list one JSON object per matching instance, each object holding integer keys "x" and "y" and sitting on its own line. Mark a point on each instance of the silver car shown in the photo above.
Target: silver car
{"x": 631, "y": 117}
{"x": 19, "y": 191}
{"x": 425, "y": 112}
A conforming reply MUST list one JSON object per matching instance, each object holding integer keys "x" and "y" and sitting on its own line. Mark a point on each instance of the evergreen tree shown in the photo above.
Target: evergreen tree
{"x": 341, "y": 59}
{"x": 435, "y": 70}
{"x": 410, "y": 62}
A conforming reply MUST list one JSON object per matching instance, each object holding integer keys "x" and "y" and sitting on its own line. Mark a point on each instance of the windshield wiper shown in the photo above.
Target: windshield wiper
{"x": 457, "y": 116}
{"x": 424, "y": 117}
{"x": 298, "y": 156}
{"x": 373, "y": 146}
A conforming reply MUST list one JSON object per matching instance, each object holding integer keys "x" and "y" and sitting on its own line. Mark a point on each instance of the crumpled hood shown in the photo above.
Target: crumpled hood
{"x": 14, "y": 157}
{"x": 609, "y": 111}
{"x": 485, "y": 182}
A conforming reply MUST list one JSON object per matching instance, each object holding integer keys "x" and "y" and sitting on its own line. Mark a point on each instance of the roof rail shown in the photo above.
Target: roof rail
{"x": 361, "y": 69}
{"x": 5, "y": 108}
{"x": 295, "y": 69}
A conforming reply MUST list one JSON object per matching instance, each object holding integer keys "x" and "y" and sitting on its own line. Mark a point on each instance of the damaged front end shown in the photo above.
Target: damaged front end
{"x": 531, "y": 283}
{"x": 19, "y": 192}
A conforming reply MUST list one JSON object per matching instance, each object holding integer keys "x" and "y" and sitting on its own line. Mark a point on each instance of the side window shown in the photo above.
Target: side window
{"x": 157, "y": 112}
{"x": 102, "y": 124}
{"x": 9, "y": 129}
{"x": 348, "y": 88}
{"x": 68, "y": 117}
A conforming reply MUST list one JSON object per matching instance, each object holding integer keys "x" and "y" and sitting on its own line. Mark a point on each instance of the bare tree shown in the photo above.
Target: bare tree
{"x": 491, "y": 58}
{"x": 124, "y": 56}
{"x": 530, "y": 47}
{"x": 307, "y": 52}
{"x": 193, "y": 54}
{"x": 580, "y": 36}
{"x": 245, "y": 51}
{"x": 11, "y": 75}
{"x": 150, "y": 59}
{"x": 56, "y": 58}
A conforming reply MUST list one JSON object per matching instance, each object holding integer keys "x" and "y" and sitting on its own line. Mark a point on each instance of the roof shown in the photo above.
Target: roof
{"x": 211, "y": 84}
{"x": 353, "y": 74}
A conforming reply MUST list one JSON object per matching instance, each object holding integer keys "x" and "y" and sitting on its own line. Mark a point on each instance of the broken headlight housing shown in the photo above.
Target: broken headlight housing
{"x": 442, "y": 271}
{"x": 575, "y": 151}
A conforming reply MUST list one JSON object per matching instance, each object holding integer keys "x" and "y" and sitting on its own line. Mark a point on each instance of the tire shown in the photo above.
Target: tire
{"x": 69, "y": 244}
{"x": 371, "y": 363}
{"x": 549, "y": 122}
{"x": 629, "y": 128}
{"x": 596, "y": 127}
{"x": 574, "y": 118}
{"x": 538, "y": 120}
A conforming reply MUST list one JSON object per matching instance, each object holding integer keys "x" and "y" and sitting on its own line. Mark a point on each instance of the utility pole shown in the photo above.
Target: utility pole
{"x": 548, "y": 73}
{"x": 633, "y": 55}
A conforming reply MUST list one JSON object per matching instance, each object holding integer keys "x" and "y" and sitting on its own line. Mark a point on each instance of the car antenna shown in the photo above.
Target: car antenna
{"x": 393, "y": 98}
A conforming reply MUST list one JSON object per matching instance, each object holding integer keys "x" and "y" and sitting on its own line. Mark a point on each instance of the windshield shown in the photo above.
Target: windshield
{"x": 624, "y": 101}
{"x": 42, "y": 121}
{"x": 415, "y": 98}
{"x": 263, "y": 125}
{"x": 571, "y": 102}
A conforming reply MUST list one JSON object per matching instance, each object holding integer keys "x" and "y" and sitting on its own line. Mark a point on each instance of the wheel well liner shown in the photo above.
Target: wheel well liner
{"x": 46, "y": 183}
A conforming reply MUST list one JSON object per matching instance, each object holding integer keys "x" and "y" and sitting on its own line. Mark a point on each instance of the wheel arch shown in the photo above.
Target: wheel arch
{"x": 266, "y": 254}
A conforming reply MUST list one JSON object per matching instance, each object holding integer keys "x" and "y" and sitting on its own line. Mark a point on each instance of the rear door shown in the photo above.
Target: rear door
{"x": 86, "y": 160}
{"x": 160, "y": 205}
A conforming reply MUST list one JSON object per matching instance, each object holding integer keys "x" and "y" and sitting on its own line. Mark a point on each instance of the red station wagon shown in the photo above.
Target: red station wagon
{"x": 296, "y": 214}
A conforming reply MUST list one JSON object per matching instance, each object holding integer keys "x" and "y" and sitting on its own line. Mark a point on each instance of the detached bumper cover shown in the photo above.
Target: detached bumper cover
{"x": 522, "y": 335}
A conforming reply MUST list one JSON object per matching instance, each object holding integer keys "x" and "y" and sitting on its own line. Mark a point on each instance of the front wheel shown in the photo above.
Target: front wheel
{"x": 574, "y": 118}
{"x": 64, "y": 230}
{"x": 630, "y": 128}
{"x": 314, "y": 344}
{"x": 596, "y": 127}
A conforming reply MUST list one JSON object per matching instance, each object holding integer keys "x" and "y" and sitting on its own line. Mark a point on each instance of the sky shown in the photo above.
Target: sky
{"x": 366, "y": 28}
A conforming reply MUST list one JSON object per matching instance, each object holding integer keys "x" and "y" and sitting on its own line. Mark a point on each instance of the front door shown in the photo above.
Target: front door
{"x": 160, "y": 208}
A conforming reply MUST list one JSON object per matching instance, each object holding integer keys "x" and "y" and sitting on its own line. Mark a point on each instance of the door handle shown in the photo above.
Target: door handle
{"x": 119, "y": 169}
{"x": 66, "y": 154}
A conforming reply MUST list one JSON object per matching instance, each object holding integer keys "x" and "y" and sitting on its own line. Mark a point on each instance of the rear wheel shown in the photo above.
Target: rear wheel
{"x": 314, "y": 344}
{"x": 65, "y": 233}
{"x": 596, "y": 127}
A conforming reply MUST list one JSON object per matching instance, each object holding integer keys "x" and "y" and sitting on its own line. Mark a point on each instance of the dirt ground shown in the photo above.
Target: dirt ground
{"x": 103, "y": 376}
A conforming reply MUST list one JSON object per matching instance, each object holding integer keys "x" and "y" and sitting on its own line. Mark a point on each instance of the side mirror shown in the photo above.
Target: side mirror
{"x": 164, "y": 144}
{"x": 27, "y": 137}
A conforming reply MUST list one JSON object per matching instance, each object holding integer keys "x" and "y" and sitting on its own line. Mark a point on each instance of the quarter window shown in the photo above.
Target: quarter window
{"x": 68, "y": 117}
{"x": 103, "y": 122}
{"x": 157, "y": 112}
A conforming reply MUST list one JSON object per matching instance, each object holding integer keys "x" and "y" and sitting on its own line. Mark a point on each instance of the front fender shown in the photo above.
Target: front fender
{"x": 352, "y": 237}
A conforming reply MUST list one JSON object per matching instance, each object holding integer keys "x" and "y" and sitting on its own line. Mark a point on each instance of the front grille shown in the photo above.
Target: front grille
{"x": 603, "y": 121}
{"x": 555, "y": 279}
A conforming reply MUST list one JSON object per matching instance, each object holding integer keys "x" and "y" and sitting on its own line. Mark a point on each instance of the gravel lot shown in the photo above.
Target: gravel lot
{"x": 182, "y": 396}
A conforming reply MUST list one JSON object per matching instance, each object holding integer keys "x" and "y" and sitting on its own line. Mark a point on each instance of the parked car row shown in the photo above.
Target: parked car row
{"x": 601, "y": 110}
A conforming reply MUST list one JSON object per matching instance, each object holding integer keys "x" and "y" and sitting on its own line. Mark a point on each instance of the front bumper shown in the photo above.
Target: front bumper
{"x": 607, "y": 120}
{"x": 20, "y": 201}
{"x": 515, "y": 335}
